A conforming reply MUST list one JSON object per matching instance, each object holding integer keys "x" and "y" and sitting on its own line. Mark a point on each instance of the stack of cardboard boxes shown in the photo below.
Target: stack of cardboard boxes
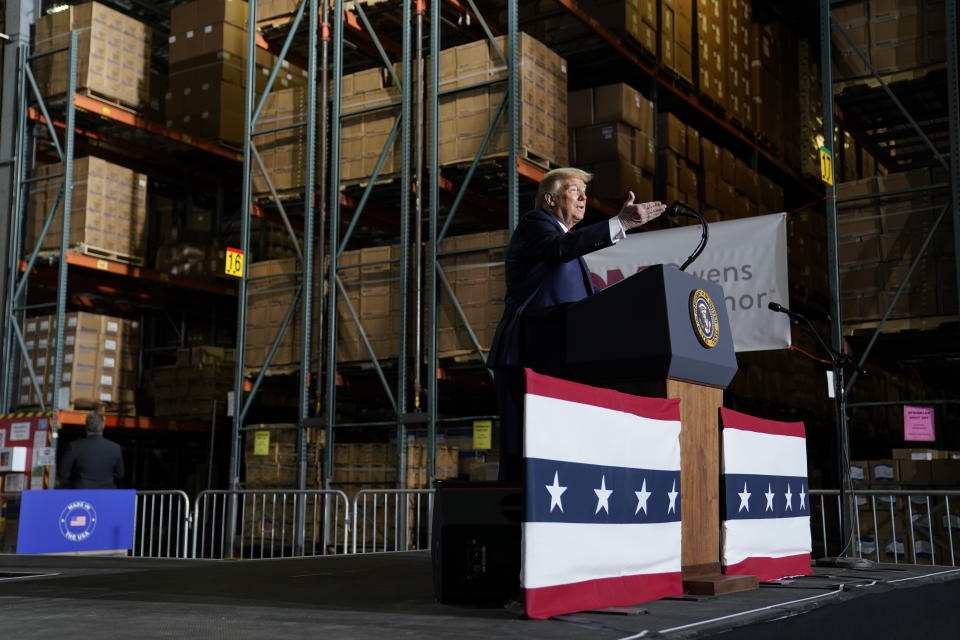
{"x": 465, "y": 116}
{"x": 680, "y": 160}
{"x": 371, "y": 280}
{"x": 879, "y": 239}
{"x": 740, "y": 105}
{"x": 473, "y": 265}
{"x": 188, "y": 390}
{"x": 612, "y": 136}
{"x": 113, "y": 54}
{"x": 100, "y": 355}
{"x": 107, "y": 214}
{"x": 272, "y": 285}
{"x": 208, "y": 52}
{"x": 894, "y": 35}
{"x": 676, "y": 37}
{"x": 284, "y": 153}
{"x": 271, "y": 460}
{"x": 883, "y": 520}
{"x": 371, "y": 104}
{"x": 711, "y": 33}
{"x": 766, "y": 57}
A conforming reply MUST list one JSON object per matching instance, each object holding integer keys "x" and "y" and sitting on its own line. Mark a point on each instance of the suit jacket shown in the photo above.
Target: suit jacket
{"x": 91, "y": 463}
{"x": 544, "y": 267}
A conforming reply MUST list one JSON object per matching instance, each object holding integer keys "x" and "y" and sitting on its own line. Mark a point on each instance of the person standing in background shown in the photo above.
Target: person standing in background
{"x": 93, "y": 462}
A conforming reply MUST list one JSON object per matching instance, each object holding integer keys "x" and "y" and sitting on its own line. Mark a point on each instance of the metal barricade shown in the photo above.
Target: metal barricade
{"x": 892, "y": 525}
{"x": 392, "y": 520}
{"x": 162, "y": 525}
{"x": 265, "y": 524}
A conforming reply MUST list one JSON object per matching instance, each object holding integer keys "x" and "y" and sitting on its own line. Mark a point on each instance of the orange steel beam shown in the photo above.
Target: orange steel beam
{"x": 112, "y": 112}
{"x": 131, "y": 271}
{"x": 133, "y": 422}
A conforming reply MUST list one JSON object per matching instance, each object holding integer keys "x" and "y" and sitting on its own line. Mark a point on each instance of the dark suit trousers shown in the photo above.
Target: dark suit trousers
{"x": 510, "y": 385}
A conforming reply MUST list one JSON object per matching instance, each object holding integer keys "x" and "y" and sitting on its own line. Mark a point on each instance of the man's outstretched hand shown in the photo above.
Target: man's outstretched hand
{"x": 633, "y": 214}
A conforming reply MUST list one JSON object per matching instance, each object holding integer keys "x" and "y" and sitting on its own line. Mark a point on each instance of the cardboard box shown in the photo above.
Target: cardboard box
{"x": 602, "y": 142}
{"x": 622, "y": 103}
{"x": 612, "y": 180}
{"x": 672, "y": 133}
{"x": 919, "y": 454}
{"x": 884, "y": 471}
{"x": 916, "y": 471}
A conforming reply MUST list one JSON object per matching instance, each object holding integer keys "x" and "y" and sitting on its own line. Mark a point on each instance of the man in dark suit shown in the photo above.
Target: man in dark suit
{"x": 92, "y": 463}
{"x": 544, "y": 268}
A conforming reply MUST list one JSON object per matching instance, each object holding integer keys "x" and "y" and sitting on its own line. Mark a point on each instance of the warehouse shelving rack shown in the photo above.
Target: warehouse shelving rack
{"x": 76, "y": 278}
{"x": 359, "y": 27}
{"x": 898, "y": 128}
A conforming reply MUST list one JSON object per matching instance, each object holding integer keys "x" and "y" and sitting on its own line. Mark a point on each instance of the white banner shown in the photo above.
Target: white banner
{"x": 747, "y": 257}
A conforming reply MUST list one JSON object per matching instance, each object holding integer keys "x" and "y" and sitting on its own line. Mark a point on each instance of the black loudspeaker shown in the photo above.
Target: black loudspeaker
{"x": 476, "y": 542}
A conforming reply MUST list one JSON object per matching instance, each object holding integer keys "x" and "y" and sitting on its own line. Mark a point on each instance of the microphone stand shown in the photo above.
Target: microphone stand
{"x": 679, "y": 208}
{"x": 840, "y": 362}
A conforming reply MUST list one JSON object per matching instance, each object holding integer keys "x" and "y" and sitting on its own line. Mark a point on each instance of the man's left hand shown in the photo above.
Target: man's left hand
{"x": 634, "y": 214}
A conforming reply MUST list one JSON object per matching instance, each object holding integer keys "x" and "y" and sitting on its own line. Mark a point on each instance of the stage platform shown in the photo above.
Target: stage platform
{"x": 391, "y": 596}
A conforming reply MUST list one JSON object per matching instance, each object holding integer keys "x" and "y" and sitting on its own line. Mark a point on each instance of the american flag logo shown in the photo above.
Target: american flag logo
{"x": 766, "y": 522}
{"x": 601, "y": 498}
{"x": 78, "y": 520}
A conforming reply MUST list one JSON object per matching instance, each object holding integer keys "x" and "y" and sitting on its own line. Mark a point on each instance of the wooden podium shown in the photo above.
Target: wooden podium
{"x": 659, "y": 333}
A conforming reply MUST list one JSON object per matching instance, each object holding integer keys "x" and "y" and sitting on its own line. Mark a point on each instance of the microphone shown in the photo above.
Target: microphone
{"x": 676, "y": 209}
{"x": 779, "y": 308}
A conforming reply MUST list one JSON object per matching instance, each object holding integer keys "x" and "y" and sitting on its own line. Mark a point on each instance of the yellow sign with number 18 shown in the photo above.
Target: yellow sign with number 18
{"x": 234, "y": 263}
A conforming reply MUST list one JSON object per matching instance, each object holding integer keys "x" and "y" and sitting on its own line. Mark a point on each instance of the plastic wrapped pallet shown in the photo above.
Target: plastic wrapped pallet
{"x": 108, "y": 210}
{"x": 113, "y": 54}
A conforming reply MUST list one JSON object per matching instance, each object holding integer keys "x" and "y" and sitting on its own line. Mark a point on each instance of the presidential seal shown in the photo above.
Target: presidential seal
{"x": 703, "y": 315}
{"x": 78, "y": 520}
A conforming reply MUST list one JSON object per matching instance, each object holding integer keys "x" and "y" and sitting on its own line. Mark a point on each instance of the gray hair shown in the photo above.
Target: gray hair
{"x": 94, "y": 422}
{"x": 552, "y": 180}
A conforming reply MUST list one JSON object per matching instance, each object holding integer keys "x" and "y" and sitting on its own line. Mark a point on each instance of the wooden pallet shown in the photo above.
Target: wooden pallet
{"x": 871, "y": 82}
{"x": 528, "y": 154}
{"x": 925, "y": 323}
{"x": 685, "y": 83}
{"x": 99, "y": 252}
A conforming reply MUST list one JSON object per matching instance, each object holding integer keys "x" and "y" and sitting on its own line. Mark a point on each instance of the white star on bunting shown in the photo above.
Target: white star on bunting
{"x": 603, "y": 496}
{"x": 642, "y": 497}
{"x": 672, "y": 494}
{"x": 769, "y": 496}
{"x": 803, "y": 497}
{"x": 555, "y": 492}
{"x": 789, "y": 497}
{"x": 744, "y": 499}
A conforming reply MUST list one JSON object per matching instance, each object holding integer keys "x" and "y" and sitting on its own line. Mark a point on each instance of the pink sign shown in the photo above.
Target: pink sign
{"x": 918, "y": 423}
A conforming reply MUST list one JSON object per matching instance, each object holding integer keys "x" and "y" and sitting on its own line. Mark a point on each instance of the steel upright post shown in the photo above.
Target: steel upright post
{"x": 406, "y": 107}
{"x": 307, "y": 287}
{"x": 953, "y": 117}
{"x": 833, "y": 274}
{"x": 241, "y": 342}
{"x": 333, "y": 243}
{"x": 64, "y": 240}
{"x": 513, "y": 80}
{"x": 13, "y": 247}
{"x": 433, "y": 162}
